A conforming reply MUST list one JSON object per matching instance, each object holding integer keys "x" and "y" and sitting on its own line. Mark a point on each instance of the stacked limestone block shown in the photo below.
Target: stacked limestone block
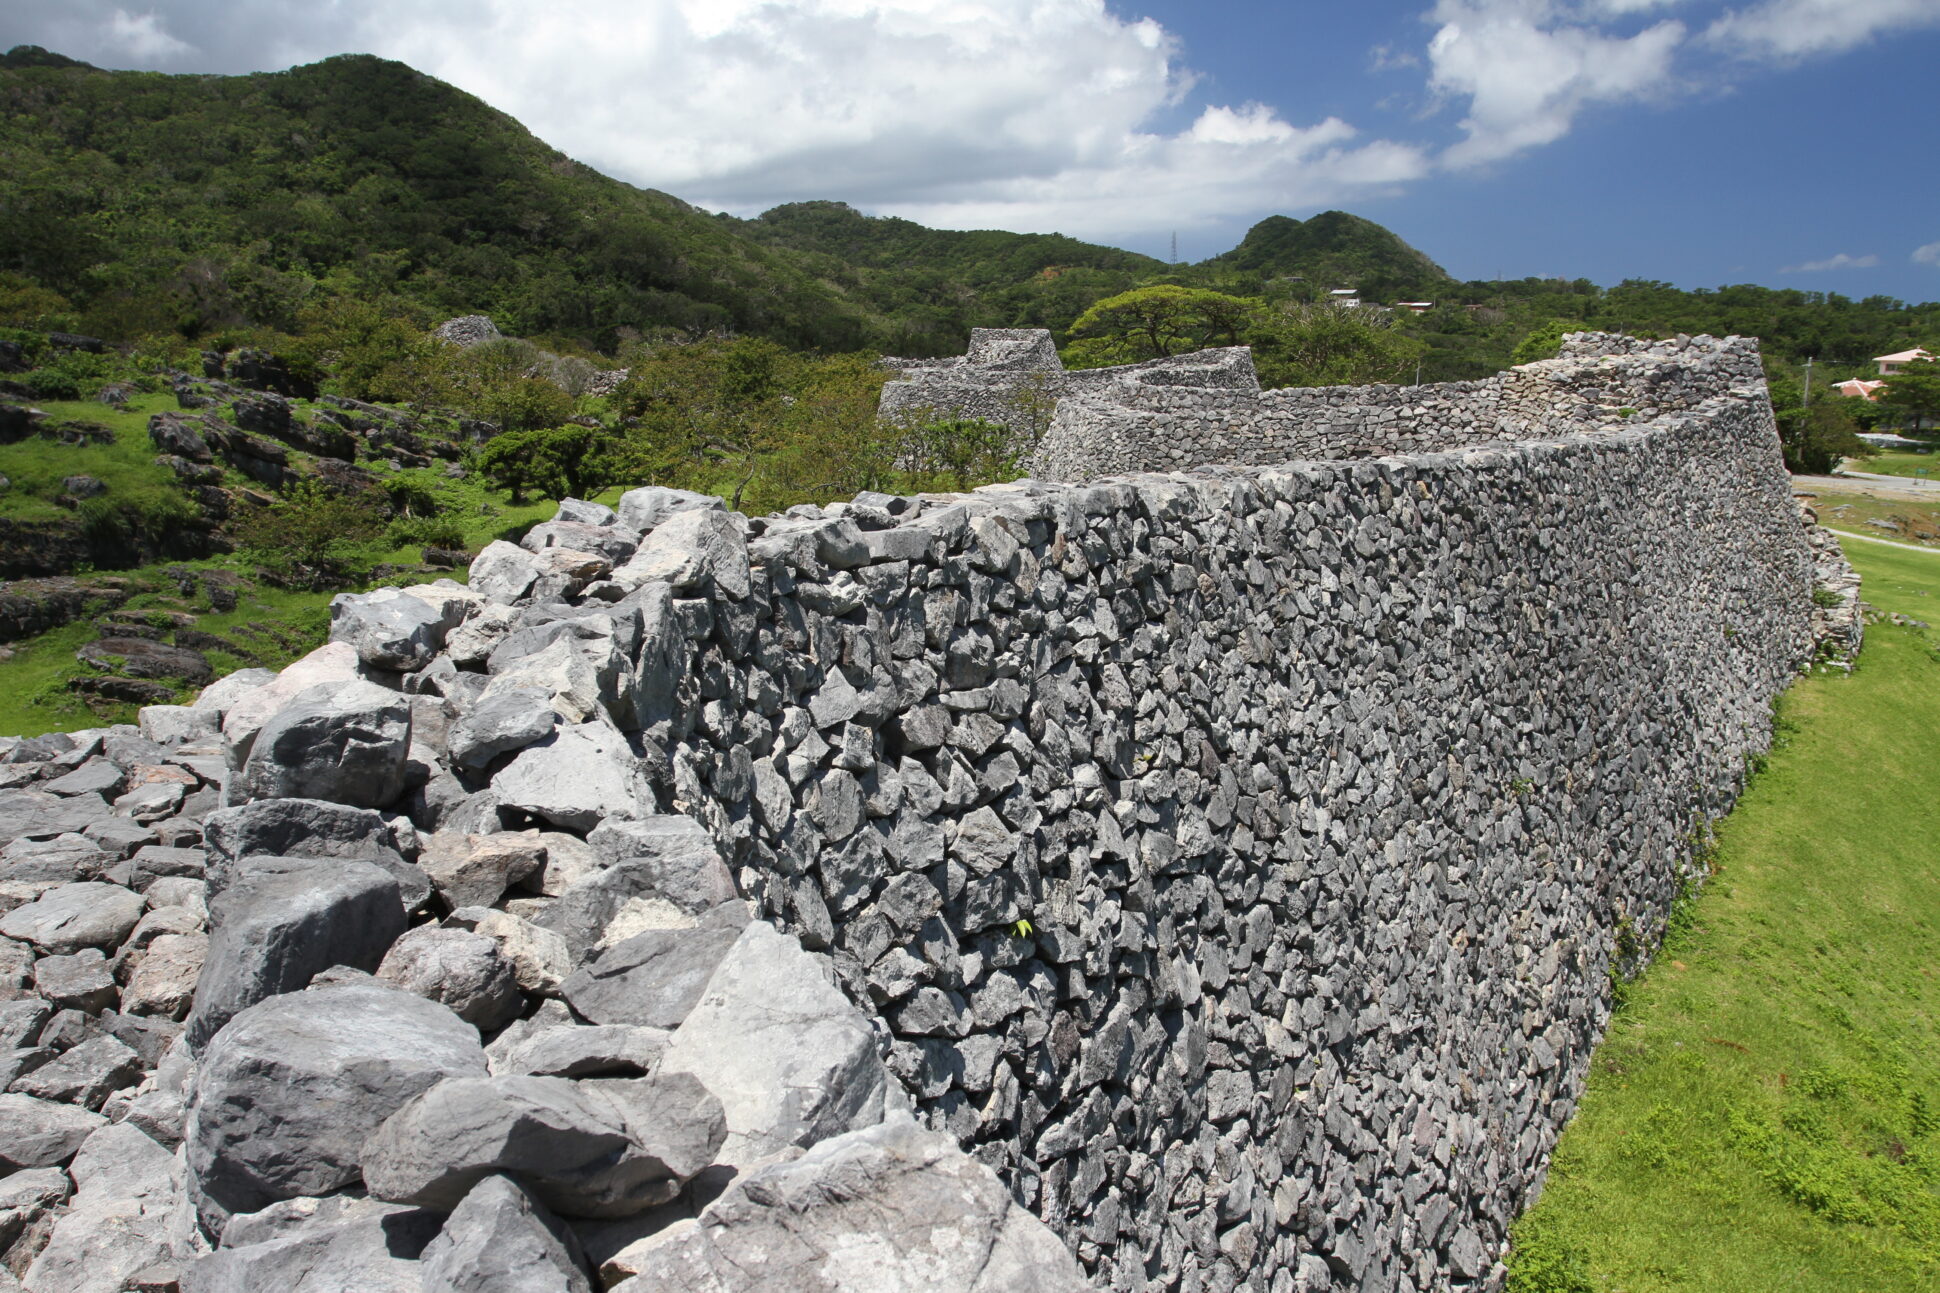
{"x": 1321, "y": 793}
{"x": 392, "y": 972}
{"x": 1144, "y": 418}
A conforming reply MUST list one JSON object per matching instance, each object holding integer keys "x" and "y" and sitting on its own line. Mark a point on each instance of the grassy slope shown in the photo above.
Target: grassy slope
{"x": 1897, "y": 463}
{"x": 1765, "y": 1112}
{"x": 277, "y": 625}
{"x": 36, "y": 467}
{"x": 1919, "y": 522}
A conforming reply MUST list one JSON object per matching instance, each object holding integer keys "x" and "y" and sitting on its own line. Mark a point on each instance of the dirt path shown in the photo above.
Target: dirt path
{"x": 1891, "y": 543}
{"x": 1894, "y": 488}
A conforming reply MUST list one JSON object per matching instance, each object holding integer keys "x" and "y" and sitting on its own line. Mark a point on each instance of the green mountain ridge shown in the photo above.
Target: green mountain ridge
{"x": 240, "y": 209}
{"x": 192, "y": 203}
{"x": 189, "y": 203}
{"x": 1335, "y": 249}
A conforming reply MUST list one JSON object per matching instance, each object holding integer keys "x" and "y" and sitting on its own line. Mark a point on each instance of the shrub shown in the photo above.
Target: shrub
{"x": 312, "y": 537}
{"x": 50, "y": 384}
{"x": 426, "y": 532}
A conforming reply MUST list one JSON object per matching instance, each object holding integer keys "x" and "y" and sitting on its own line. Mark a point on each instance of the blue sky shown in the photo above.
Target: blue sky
{"x": 1698, "y": 141}
{"x": 1739, "y": 171}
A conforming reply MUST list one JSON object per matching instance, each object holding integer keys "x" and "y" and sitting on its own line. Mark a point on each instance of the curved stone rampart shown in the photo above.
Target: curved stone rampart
{"x": 1325, "y": 792}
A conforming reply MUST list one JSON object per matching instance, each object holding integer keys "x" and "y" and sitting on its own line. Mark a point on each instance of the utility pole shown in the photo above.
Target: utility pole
{"x": 1806, "y": 402}
{"x": 1417, "y": 372}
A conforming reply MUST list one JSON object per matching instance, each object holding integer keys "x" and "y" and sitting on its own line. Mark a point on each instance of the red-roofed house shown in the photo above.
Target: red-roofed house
{"x": 1860, "y": 389}
{"x": 1890, "y": 364}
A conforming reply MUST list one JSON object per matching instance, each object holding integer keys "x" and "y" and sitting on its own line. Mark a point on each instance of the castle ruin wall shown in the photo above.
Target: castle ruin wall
{"x": 1235, "y": 858}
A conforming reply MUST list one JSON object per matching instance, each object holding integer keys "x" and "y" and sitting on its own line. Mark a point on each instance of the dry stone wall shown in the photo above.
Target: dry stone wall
{"x": 1323, "y": 790}
{"x": 1233, "y": 860}
{"x": 1203, "y": 408}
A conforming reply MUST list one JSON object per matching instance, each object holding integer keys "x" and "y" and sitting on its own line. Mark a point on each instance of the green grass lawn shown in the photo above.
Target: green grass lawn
{"x": 1893, "y": 462}
{"x": 272, "y": 625}
{"x": 1764, "y": 1113}
{"x": 35, "y": 467}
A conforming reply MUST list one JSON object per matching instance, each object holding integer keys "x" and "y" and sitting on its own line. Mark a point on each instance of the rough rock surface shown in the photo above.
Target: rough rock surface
{"x": 885, "y": 1208}
{"x": 771, "y": 1036}
{"x": 289, "y": 1091}
{"x": 598, "y": 1148}
{"x": 335, "y": 1245}
{"x": 345, "y": 743}
{"x": 502, "y": 1240}
{"x": 284, "y": 920}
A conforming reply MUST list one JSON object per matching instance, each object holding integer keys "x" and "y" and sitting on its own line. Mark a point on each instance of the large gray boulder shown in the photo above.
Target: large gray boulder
{"x": 664, "y": 873}
{"x": 283, "y": 921}
{"x": 888, "y": 1209}
{"x": 792, "y": 1060}
{"x": 574, "y": 778}
{"x": 502, "y": 1240}
{"x": 42, "y": 1133}
{"x": 691, "y": 551}
{"x": 503, "y": 571}
{"x": 394, "y": 628}
{"x": 458, "y": 969}
{"x": 311, "y": 828}
{"x": 340, "y": 1244}
{"x": 120, "y": 1220}
{"x": 579, "y": 1050}
{"x": 475, "y": 870}
{"x": 70, "y": 917}
{"x": 597, "y": 1148}
{"x": 650, "y": 980}
{"x": 287, "y": 1093}
{"x": 501, "y": 722}
{"x": 344, "y": 742}
{"x": 646, "y": 507}
{"x": 250, "y": 708}
{"x": 611, "y": 542}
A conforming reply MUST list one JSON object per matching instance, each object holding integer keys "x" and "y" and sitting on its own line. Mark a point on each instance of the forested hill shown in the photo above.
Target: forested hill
{"x": 242, "y": 209}
{"x": 930, "y": 284}
{"x": 195, "y": 203}
{"x": 1335, "y": 249}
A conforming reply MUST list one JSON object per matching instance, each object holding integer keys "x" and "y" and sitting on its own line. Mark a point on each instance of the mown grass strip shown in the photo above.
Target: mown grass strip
{"x": 1764, "y": 1113}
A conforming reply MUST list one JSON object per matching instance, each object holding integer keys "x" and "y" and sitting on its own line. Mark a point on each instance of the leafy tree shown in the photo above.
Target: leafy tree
{"x": 1543, "y": 343}
{"x": 958, "y": 453}
{"x": 311, "y": 536}
{"x": 1820, "y": 436}
{"x": 1913, "y": 395}
{"x": 560, "y": 462}
{"x": 832, "y": 443}
{"x": 1321, "y": 344}
{"x": 497, "y": 382}
{"x": 708, "y": 413}
{"x": 1166, "y": 319}
{"x": 377, "y": 350}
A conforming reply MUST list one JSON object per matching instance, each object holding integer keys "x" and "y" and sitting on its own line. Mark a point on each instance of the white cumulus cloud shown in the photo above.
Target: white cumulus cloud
{"x": 1528, "y": 67}
{"x": 1789, "y": 30}
{"x": 1840, "y": 261}
{"x": 1025, "y": 114}
{"x": 1927, "y": 255}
